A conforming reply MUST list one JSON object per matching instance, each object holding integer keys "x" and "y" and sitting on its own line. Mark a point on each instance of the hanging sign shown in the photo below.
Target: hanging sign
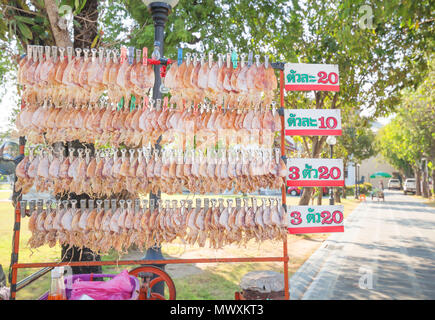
{"x": 307, "y": 172}
{"x": 312, "y": 122}
{"x": 306, "y": 77}
{"x": 315, "y": 219}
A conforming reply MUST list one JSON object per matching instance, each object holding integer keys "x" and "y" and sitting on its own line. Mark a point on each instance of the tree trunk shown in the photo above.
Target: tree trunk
{"x": 337, "y": 198}
{"x": 319, "y": 196}
{"x": 85, "y": 28}
{"x": 417, "y": 181}
{"x": 433, "y": 180}
{"x": 343, "y": 194}
{"x": 306, "y": 196}
{"x": 425, "y": 190}
{"x": 62, "y": 37}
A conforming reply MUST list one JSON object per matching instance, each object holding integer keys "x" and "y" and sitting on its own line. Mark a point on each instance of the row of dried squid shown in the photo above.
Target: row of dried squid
{"x": 121, "y": 225}
{"x": 82, "y": 79}
{"x": 221, "y": 81}
{"x": 144, "y": 125}
{"x": 111, "y": 171}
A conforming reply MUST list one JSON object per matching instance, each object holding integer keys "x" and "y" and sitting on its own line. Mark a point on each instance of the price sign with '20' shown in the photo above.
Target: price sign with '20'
{"x": 307, "y": 172}
{"x": 315, "y": 219}
{"x": 306, "y": 77}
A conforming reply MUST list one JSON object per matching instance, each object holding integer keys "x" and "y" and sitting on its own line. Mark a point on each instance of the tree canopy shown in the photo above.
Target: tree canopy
{"x": 410, "y": 137}
{"x": 381, "y": 47}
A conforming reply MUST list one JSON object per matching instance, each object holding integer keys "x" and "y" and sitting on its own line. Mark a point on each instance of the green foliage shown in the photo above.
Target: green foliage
{"x": 364, "y": 188}
{"x": 375, "y": 63}
{"x": 411, "y": 134}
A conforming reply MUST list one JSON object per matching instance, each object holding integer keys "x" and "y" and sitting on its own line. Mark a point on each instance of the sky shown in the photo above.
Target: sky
{"x": 7, "y": 103}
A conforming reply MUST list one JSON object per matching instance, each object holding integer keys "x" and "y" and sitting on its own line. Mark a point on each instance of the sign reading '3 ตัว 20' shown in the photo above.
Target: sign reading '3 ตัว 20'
{"x": 308, "y": 172}
{"x": 312, "y": 122}
{"x": 313, "y": 219}
{"x": 306, "y": 77}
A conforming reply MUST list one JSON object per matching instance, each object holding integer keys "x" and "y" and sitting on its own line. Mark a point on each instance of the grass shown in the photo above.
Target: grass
{"x": 428, "y": 201}
{"x": 5, "y": 186}
{"x": 42, "y": 254}
{"x": 5, "y": 195}
{"x": 210, "y": 281}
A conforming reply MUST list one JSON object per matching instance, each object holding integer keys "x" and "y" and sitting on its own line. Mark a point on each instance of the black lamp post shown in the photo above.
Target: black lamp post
{"x": 160, "y": 11}
{"x": 331, "y": 141}
{"x": 357, "y": 166}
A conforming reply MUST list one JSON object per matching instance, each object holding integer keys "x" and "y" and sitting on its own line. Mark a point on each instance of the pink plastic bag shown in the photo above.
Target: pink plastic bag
{"x": 118, "y": 288}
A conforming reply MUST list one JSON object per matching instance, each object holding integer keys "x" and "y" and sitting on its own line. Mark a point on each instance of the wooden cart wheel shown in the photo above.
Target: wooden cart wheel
{"x": 146, "y": 273}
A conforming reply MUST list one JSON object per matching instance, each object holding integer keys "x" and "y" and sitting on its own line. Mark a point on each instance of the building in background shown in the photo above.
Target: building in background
{"x": 377, "y": 164}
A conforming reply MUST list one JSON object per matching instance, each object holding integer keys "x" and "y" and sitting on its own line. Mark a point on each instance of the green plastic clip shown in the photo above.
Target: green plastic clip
{"x": 234, "y": 59}
{"x": 121, "y": 103}
{"x": 132, "y": 103}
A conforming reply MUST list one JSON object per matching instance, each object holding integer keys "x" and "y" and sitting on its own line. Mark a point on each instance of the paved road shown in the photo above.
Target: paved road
{"x": 386, "y": 252}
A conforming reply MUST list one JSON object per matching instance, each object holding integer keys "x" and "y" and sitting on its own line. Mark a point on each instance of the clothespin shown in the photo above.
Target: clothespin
{"x": 29, "y": 51}
{"x": 250, "y": 58}
{"x": 121, "y": 103}
{"x": 23, "y": 205}
{"x": 180, "y": 56}
{"x": 234, "y": 59}
{"x": 210, "y": 59}
{"x": 123, "y": 54}
{"x": 132, "y": 103}
{"x": 106, "y": 205}
{"x": 130, "y": 55}
{"x": 138, "y": 55}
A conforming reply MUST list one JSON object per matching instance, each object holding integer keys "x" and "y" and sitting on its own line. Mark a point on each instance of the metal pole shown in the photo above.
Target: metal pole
{"x": 331, "y": 189}
{"x": 357, "y": 181}
{"x": 16, "y": 197}
{"x": 356, "y": 190}
{"x": 160, "y": 12}
{"x": 283, "y": 189}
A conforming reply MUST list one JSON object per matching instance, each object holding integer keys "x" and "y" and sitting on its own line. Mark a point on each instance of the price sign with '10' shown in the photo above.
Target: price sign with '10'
{"x": 312, "y": 122}
{"x": 315, "y": 219}
{"x": 307, "y": 172}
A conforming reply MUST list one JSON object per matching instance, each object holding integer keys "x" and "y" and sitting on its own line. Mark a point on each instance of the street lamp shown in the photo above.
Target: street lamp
{"x": 160, "y": 11}
{"x": 331, "y": 141}
{"x": 357, "y": 180}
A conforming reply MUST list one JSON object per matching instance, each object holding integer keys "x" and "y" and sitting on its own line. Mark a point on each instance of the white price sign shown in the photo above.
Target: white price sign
{"x": 312, "y": 122}
{"x": 308, "y": 172}
{"x": 306, "y": 77}
{"x": 315, "y": 219}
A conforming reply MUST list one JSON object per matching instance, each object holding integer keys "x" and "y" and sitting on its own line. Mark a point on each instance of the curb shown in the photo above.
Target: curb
{"x": 302, "y": 279}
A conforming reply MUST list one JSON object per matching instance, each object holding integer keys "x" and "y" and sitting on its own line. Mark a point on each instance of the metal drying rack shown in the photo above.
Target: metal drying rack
{"x": 47, "y": 266}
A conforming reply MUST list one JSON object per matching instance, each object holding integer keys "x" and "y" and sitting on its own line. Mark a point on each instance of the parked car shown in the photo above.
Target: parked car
{"x": 394, "y": 184}
{"x": 297, "y": 191}
{"x": 409, "y": 186}
{"x": 294, "y": 191}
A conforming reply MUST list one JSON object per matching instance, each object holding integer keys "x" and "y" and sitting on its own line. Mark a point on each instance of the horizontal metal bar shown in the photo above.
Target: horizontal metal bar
{"x": 143, "y": 262}
{"x": 278, "y": 65}
{"x": 28, "y": 280}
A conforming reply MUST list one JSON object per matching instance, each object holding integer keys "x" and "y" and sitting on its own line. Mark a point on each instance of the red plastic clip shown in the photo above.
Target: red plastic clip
{"x": 163, "y": 71}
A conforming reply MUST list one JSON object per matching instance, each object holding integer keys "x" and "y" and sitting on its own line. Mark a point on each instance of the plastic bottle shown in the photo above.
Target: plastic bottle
{"x": 57, "y": 289}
